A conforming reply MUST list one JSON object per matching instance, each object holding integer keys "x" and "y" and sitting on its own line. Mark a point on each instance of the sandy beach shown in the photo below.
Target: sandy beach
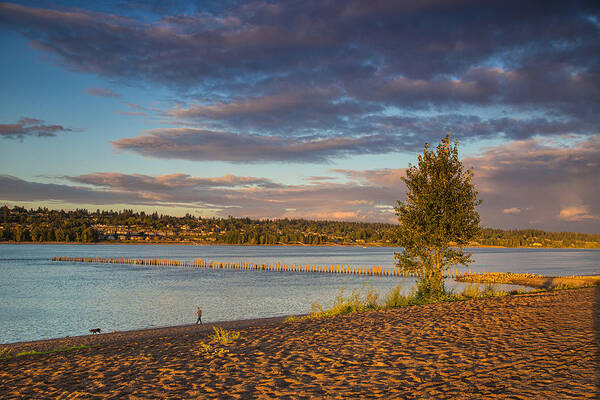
{"x": 535, "y": 346}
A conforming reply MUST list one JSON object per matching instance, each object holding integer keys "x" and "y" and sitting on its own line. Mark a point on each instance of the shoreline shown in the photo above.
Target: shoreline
{"x": 139, "y": 334}
{"x": 545, "y": 346}
{"x": 120, "y": 243}
{"x": 206, "y": 328}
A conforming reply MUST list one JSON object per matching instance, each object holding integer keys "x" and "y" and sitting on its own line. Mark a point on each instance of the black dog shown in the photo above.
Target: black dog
{"x": 97, "y": 330}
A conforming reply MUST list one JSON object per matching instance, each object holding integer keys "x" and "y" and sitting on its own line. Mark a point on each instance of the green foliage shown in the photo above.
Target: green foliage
{"x": 472, "y": 291}
{"x": 219, "y": 338}
{"x": 28, "y": 353}
{"x": 438, "y": 218}
{"x": 356, "y": 302}
{"x": 223, "y": 336}
{"x": 5, "y": 352}
{"x": 208, "y": 350}
{"x": 22, "y": 225}
{"x": 395, "y": 298}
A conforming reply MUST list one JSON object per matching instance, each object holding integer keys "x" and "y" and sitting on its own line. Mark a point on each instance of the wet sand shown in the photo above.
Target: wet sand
{"x": 535, "y": 346}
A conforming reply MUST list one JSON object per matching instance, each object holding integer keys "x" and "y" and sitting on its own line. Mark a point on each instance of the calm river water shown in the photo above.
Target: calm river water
{"x": 41, "y": 299}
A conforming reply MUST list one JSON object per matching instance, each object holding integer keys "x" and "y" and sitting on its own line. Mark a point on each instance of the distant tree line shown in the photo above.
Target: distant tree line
{"x": 43, "y": 225}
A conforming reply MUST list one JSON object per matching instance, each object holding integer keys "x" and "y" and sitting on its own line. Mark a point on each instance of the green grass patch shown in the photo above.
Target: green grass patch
{"x": 358, "y": 302}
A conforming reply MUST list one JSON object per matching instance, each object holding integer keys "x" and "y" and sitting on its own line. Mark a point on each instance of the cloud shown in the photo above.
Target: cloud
{"x": 291, "y": 112}
{"x": 223, "y": 196}
{"x": 203, "y": 145}
{"x": 30, "y": 127}
{"x": 550, "y": 186}
{"x": 16, "y": 189}
{"x": 551, "y": 181}
{"x": 386, "y": 177}
{"x": 576, "y": 214}
{"x": 513, "y": 210}
{"x": 551, "y": 86}
{"x": 417, "y": 130}
{"x": 133, "y": 113}
{"x": 167, "y": 182}
{"x": 336, "y": 69}
{"x": 315, "y": 36}
{"x": 102, "y": 92}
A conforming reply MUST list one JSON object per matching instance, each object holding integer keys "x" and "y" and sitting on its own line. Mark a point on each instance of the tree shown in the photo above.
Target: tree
{"x": 438, "y": 217}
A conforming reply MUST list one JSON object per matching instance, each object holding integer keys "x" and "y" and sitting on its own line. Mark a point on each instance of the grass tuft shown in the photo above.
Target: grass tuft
{"x": 474, "y": 291}
{"x": 223, "y": 336}
{"x": 208, "y": 350}
{"x": 5, "y": 352}
{"x": 291, "y": 318}
{"x": 346, "y": 305}
{"x": 395, "y": 298}
{"x": 220, "y": 338}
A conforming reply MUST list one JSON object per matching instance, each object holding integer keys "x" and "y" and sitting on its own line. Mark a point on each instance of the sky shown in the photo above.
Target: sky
{"x": 308, "y": 108}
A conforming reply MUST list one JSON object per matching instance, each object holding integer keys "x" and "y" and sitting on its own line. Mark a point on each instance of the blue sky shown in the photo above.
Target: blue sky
{"x": 299, "y": 109}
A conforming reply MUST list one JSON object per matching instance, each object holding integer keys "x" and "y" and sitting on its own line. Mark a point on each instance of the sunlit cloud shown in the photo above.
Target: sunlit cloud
{"x": 536, "y": 179}
{"x": 577, "y": 213}
{"x": 512, "y": 210}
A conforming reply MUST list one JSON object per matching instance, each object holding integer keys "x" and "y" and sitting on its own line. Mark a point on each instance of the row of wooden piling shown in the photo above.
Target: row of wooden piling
{"x": 374, "y": 270}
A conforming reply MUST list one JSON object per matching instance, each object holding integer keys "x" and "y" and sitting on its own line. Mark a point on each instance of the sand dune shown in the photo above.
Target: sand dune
{"x": 537, "y": 346}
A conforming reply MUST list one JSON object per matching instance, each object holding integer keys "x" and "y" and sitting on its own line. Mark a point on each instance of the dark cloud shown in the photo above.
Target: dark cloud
{"x": 15, "y": 189}
{"x": 258, "y": 38}
{"x": 102, "y": 92}
{"x": 311, "y": 80}
{"x": 540, "y": 184}
{"x": 417, "y": 130}
{"x": 298, "y": 111}
{"x": 202, "y": 145}
{"x": 396, "y": 134}
{"x": 30, "y": 127}
{"x": 292, "y": 66}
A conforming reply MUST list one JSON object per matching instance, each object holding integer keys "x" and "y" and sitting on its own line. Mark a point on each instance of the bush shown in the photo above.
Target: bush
{"x": 224, "y": 337}
{"x": 395, "y": 298}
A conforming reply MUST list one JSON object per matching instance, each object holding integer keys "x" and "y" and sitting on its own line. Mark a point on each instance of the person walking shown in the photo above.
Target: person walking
{"x": 199, "y": 314}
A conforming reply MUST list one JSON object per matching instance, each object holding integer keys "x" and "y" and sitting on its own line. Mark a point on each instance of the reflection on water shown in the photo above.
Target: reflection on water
{"x": 41, "y": 299}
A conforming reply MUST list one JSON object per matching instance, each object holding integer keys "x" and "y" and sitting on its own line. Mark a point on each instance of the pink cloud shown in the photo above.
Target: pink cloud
{"x": 577, "y": 214}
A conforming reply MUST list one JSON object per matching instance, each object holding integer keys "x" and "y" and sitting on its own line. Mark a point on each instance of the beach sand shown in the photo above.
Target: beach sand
{"x": 534, "y": 346}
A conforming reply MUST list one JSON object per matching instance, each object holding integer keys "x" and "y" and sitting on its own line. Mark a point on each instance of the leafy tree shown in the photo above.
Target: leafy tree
{"x": 88, "y": 235}
{"x": 438, "y": 217}
{"x": 22, "y": 235}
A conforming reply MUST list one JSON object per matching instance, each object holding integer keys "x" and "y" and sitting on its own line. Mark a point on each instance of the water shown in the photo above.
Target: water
{"x": 43, "y": 299}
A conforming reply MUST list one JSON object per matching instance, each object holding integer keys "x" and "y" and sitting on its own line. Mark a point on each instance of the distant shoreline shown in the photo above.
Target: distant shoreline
{"x": 116, "y": 242}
